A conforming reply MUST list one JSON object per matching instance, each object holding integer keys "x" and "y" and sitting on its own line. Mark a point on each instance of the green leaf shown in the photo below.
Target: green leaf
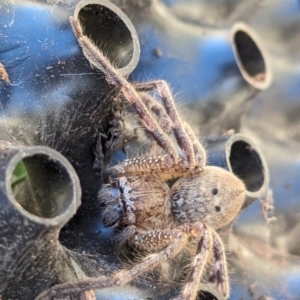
{"x": 19, "y": 174}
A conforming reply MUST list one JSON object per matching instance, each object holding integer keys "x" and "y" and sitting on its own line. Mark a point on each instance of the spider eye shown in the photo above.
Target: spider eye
{"x": 217, "y": 208}
{"x": 214, "y": 191}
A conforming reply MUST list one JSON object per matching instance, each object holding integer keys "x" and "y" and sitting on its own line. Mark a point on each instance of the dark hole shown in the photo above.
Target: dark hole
{"x": 208, "y": 295}
{"x": 214, "y": 191}
{"x": 217, "y": 208}
{"x": 108, "y": 32}
{"x": 46, "y": 189}
{"x": 249, "y": 54}
{"x": 246, "y": 164}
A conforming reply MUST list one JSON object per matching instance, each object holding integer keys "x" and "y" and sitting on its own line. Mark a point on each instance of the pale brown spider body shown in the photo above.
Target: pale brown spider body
{"x": 148, "y": 212}
{"x": 150, "y": 215}
{"x": 213, "y": 196}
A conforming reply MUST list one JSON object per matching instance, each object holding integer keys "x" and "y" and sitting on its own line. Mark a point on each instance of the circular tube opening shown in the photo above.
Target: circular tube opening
{"x": 246, "y": 163}
{"x": 110, "y": 30}
{"x": 42, "y": 186}
{"x": 251, "y": 57}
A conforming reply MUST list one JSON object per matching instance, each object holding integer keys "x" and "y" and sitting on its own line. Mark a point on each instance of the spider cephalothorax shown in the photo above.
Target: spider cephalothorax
{"x": 150, "y": 215}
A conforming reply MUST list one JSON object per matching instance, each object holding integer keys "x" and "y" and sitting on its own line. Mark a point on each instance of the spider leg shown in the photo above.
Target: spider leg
{"x": 200, "y": 153}
{"x": 182, "y": 137}
{"x": 97, "y": 58}
{"x": 166, "y": 124}
{"x": 61, "y": 291}
{"x": 137, "y": 165}
{"x": 220, "y": 265}
{"x": 159, "y": 111}
{"x": 174, "y": 240}
{"x": 204, "y": 248}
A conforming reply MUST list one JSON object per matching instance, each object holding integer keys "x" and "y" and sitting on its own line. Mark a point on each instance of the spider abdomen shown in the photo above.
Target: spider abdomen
{"x": 141, "y": 201}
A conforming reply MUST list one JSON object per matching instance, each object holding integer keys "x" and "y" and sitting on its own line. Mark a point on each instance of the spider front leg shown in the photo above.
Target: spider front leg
{"x": 159, "y": 112}
{"x": 171, "y": 122}
{"x": 98, "y": 59}
{"x": 167, "y": 124}
{"x": 221, "y": 271}
{"x": 175, "y": 238}
{"x": 172, "y": 159}
{"x": 172, "y": 241}
{"x": 165, "y": 93}
{"x": 209, "y": 241}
